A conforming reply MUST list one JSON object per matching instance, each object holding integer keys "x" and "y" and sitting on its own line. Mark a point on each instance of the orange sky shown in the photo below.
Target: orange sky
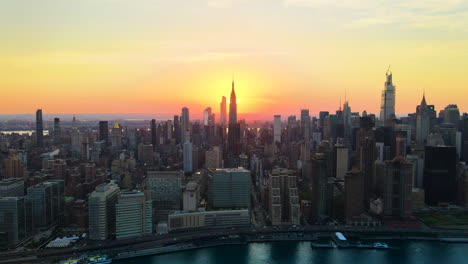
{"x": 158, "y": 57}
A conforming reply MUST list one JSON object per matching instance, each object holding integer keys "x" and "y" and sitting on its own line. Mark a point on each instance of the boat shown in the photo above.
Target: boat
{"x": 379, "y": 245}
{"x": 72, "y": 261}
{"x": 99, "y": 260}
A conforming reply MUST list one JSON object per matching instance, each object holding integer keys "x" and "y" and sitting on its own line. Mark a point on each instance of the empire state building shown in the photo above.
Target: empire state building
{"x": 233, "y": 142}
{"x": 233, "y": 106}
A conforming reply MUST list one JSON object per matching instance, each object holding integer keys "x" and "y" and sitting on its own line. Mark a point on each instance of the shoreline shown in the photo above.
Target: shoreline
{"x": 161, "y": 244}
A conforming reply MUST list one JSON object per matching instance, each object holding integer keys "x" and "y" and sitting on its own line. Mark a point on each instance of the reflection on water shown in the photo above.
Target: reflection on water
{"x": 302, "y": 253}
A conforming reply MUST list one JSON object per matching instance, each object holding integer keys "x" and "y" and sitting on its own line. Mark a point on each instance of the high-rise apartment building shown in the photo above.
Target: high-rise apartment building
{"x": 322, "y": 188}
{"x": 284, "y": 205}
{"x": 398, "y": 186}
{"x": 353, "y": 194}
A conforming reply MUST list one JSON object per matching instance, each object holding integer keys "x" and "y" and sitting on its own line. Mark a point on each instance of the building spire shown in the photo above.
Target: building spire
{"x": 423, "y": 101}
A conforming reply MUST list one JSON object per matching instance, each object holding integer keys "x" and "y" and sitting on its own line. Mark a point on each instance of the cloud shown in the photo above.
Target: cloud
{"x": 442, "y": 14}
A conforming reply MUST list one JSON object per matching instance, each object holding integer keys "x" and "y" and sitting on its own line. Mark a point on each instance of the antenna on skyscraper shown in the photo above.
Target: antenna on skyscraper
{"x": 388, "y": 69}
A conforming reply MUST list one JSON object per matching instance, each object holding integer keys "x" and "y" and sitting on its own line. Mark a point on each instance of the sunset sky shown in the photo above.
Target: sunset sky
{"x": 154, "y": 56}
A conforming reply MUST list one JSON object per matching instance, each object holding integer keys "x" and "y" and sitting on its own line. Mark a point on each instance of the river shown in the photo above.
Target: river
{"x": 301, "y": 252}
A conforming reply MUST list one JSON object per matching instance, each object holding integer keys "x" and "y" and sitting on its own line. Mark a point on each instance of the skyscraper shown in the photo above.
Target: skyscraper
{"x": 188, "y": 155}
{"x": 422, "y": 122}
{"x": 16, "y": 219}
{"x": 452, "y": 114}
{"x": 387, "y": 108}
{"x": 277, "y": 129}
{"x": 57, "y": 130}
{"x": 440, "y": 174}
{"x": 177, "y": 128}
{"x": 47, "y": 203}
{"x": 222, "y": 118}
{"x": 39, "y": 128}
{"x": 322, "y": 195}
{"x": 367, "y": 157}
{"x": 353, "y": 194}
{"x": 116, "y": 139}
{"x": 230, "y": 188}
{"x": 76, "y": 138}
{"x": 284, "y": 199}
{"x": 233, "y": 106}
{"x": 207, "y": 116}
{"x": 185, "y": 126}
{"x": 103, "y": 130}
{"x": 154, "y": 138}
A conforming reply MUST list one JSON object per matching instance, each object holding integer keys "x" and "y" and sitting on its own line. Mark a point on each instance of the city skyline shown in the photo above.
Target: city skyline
{"x": 162, "y": 56}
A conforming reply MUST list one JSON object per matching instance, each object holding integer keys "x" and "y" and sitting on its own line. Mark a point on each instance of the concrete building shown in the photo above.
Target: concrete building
{"x": 191, "y": 196}
{"x": 398, "y": 186}
{"x": 11, "y": 187}
{"x": 101, "y": 211}
{"x": 230, "y": 188}
{"x": 284, "y": 199}
{"x": 193, "y": 220}
{"x": 133, "y": 215}
{"x": 48, "y": 203}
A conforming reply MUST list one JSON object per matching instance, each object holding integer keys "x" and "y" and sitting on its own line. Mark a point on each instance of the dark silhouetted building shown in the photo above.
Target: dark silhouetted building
{"x": 103, "y": 131}
{"x": 440, "y": 174}
{"x": 398, "y": 186}
{"x": 39, "y": 129}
